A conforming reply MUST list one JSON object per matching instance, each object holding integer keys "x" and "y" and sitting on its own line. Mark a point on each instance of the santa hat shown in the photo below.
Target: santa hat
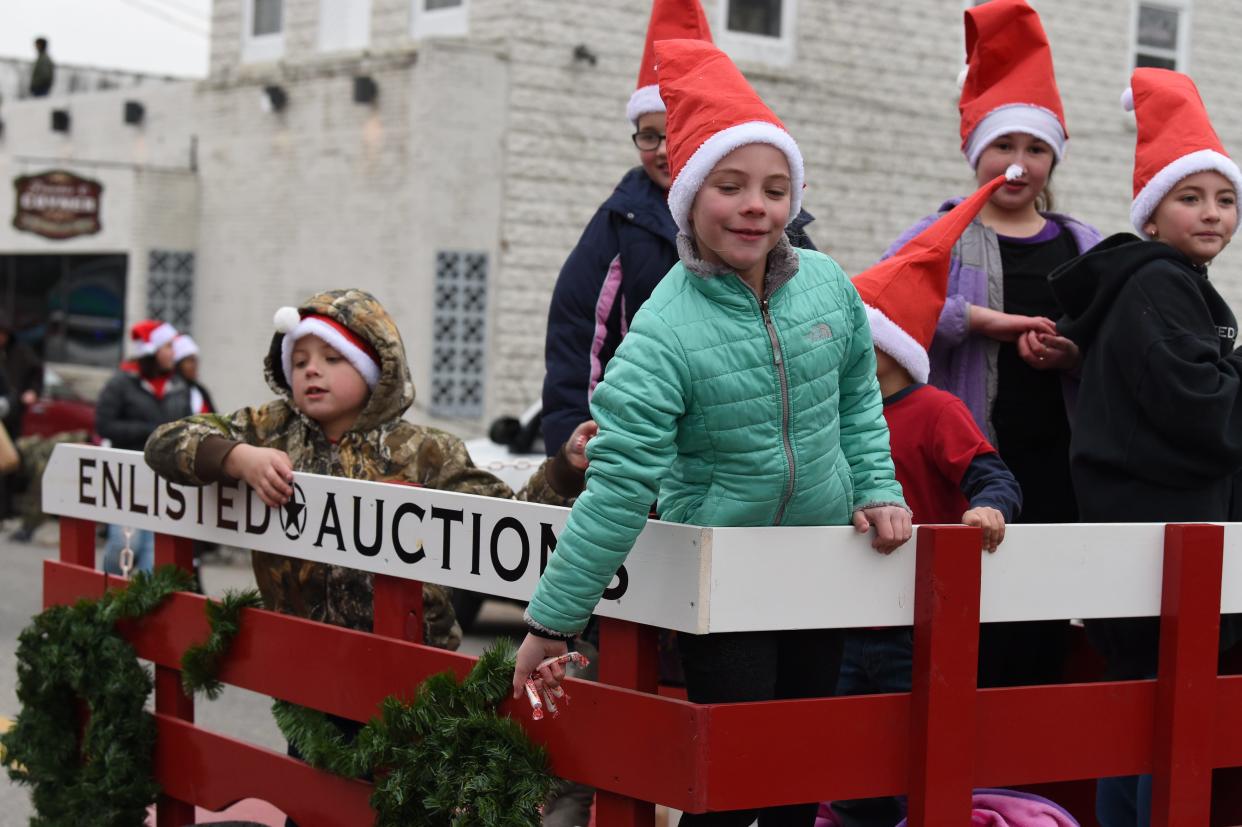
{"x": 356, "y": 350}
{"x": 1009, "y": 85}
{"x": 149, "y": 335}
{"x": 1175, "y": 139}
{"x": 905, "y": 293}
{"x": 184, "y": 347}
{"x": 670, "y": 20}
{"x": 712, "y": 111}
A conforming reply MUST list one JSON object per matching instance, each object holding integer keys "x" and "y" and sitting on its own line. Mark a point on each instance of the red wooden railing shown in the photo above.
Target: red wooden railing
{"x": 937, "y": 742}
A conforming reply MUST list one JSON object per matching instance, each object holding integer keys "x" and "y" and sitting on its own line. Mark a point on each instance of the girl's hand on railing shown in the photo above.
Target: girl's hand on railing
{"x": 534, "y": 651}
{"x": 991, "y": 521}
{"x": 267, "y": 470}
{"x": 892, "y": 526}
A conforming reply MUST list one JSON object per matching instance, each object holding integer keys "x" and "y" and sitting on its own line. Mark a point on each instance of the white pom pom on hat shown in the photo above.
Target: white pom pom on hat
{"x": 1127, "y": 99}
{"x": 286, "y": 319}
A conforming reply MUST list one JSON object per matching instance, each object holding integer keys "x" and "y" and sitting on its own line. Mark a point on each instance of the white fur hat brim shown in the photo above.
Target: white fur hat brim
{"x": 1205, "y": 160}
{"x": 888, "y": 336}
{"x": 1018, "y": 117}
{"x": 691, "y": 176}
{"x": 313, "y": 326}
{"x": 646, "y": 99}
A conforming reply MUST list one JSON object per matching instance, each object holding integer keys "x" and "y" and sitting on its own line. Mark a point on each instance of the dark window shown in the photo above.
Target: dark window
{"x": 761, "y": 17}
{"x": 267, "y": 17}
{"x": 68, "y": 308}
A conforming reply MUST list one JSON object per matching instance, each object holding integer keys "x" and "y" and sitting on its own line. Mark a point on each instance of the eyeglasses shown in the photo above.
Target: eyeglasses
{"x": 647, "y": 141}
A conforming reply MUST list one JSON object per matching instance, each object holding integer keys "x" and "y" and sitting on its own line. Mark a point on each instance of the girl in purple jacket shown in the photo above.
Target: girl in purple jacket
{"x": 996, "y": 345}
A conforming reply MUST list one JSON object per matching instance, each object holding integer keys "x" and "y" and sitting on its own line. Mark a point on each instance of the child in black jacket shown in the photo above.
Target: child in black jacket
{"x": 1158, "y": 427}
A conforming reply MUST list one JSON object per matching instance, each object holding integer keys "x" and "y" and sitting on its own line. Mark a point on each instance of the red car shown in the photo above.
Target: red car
{"x": 59, "y": 409}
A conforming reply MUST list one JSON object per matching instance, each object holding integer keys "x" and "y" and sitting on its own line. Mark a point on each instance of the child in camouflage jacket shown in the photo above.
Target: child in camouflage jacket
{"x": 327, "y": 422}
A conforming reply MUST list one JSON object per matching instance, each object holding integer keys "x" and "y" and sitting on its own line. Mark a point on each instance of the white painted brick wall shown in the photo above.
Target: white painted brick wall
{"x": 872, "y": 100}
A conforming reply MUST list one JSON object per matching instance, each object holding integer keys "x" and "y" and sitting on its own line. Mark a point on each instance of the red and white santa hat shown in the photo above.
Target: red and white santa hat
{"x": 1009, "y": 85}
{"x": 356, "y": 350}
{"x": 1175, "y": 139}
{"x": 712, "y": 111}
{"x": 670, "y": 20}
{"x": 905, "y": 292}
{"x": 184, "y": 347}
{"x": 149, "y": 335}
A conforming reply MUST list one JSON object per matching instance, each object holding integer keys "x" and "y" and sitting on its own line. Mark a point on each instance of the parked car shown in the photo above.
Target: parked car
{"x": 58, "y": 409}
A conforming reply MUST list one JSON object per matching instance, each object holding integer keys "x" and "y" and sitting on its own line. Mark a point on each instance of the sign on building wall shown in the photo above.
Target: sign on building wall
{"x": 57, "y": 205}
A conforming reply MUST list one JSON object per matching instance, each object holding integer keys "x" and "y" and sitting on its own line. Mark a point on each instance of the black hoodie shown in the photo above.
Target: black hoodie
{"x": 1158, "y": 423}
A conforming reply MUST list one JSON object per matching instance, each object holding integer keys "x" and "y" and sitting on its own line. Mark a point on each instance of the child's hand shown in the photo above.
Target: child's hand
{"x": 534, "y": 651}
{"x": 268, "y": 471}
{"x": 575, "y": 446}
{"x": 1007, "y": 327}
{"x": 892, "y": 526}
{"x": 991, "y": 521}
{"x": 1048, "y": 352}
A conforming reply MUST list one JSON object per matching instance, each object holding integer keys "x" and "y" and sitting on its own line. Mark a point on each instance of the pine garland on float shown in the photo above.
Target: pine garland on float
{"x": 446, "y": 758}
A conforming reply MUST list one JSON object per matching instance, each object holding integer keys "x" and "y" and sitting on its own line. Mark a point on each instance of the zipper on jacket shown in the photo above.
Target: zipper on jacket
{"x": 778, "y": 358}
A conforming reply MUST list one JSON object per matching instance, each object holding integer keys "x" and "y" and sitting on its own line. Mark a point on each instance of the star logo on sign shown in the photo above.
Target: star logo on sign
{"x": 293, "y": 514}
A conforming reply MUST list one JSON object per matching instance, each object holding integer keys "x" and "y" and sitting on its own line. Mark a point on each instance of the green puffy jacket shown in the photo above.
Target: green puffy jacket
{"x": 730, "y": 411}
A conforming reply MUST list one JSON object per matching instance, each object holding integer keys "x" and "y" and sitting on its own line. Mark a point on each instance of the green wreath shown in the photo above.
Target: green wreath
{"x": 71, "y": 661}
{"x": 445, "y": 759}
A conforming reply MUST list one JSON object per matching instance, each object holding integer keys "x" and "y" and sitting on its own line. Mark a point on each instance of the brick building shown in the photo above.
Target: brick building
{"x": 446, "y": 154}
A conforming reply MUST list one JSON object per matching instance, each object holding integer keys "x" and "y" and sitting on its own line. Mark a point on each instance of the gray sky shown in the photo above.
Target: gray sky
{"x": 164, "y": 36}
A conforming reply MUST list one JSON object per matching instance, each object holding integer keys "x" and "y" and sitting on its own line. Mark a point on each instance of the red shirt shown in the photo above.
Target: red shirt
{"x": 933, "y": 439}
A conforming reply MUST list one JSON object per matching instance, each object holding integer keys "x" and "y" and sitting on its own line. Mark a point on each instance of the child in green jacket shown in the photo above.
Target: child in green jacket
{"x": 744, "y": 395}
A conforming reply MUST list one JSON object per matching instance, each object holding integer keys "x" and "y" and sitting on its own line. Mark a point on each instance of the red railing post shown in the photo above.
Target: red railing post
{"x": 77, "y": 542}
{"x": 1186, "y": 681}
{"x": 946, "y": 652}
{"x": 170, "y": 698}
{"x": 397, "y": 608}
{"x": 629, "y": 657}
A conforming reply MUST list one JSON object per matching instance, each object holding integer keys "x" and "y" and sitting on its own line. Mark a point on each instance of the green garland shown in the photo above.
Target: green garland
{"x": 447, "y": 758}
{"x": 71, "y": 660}
{"x": 201, "y": 662}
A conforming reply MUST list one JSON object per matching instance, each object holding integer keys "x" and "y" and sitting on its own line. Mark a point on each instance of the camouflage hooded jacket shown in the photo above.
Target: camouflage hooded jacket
{"x": 380, "y": 446}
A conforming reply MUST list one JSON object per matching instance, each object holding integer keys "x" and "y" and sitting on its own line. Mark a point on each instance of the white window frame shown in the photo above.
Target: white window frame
{"x": 1181, "y": 54}
{"x": 357, "y": 34}
{"x": 450, "y": 22}
{"x": 755, "y": 48}
{"x": 264, "y": 47}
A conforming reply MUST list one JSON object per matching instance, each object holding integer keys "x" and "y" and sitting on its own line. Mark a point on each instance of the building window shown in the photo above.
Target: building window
{"x": 69, "y": 308}
{"x": 760, "y": 31}
{"x": 344, "y": 24}
{"x": 459, "y": 335}
{"x": 438, "y": 18}
{"x": 1162, "y": 34}
{"x": 170, "y": 288}
{"x": 263, "y": 32}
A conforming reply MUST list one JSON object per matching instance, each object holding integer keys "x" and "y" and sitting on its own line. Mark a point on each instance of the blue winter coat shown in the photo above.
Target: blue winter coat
{"x": 624, "y": 252}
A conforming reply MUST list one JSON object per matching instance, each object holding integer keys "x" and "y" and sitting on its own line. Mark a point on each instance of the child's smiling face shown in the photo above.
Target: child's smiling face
{"x": 326, "y": 387}
{"x": 740, "y": 212}
{"x": 1197, "y": 217}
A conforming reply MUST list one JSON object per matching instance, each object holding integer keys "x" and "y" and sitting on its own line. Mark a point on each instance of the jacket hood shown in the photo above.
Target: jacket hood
{"x": 366, "y": 317}
{"x": 1086, "y": 287}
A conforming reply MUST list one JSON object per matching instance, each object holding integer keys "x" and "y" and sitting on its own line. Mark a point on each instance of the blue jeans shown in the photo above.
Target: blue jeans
{"x": 1123, "y": 801}
{"x": 142, "y": 542}
{"x": 875, "y": 661}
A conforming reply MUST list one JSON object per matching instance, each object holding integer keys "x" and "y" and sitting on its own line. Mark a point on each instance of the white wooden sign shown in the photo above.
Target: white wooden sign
{"x": 465, "y": 541}
{"x": 687, "y": 578}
